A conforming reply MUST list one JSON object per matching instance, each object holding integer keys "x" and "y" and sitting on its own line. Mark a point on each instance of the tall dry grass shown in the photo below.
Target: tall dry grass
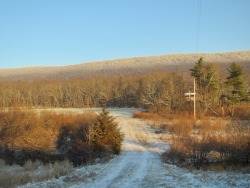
{"x": 199, "y": 140}
{"x": 147, "y": 116}
{"x": 33, "y": 172}
{"x": 28, "y": 135}
{"x": 242, "y": 111}
{"x": 31, "y": 166}
{"x": 50, "y": 137}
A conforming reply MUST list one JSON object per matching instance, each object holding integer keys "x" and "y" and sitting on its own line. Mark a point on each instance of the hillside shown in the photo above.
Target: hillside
{"x": 127, "y": 66}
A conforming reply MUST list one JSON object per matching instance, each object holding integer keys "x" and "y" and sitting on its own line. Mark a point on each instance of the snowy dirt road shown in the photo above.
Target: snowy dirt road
{"x": 140, "y": 165}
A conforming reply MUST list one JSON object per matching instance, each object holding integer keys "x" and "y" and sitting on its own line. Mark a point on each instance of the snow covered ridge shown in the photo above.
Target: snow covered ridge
{"x": 126, "y": 66}
{"x": 140, "y": 165}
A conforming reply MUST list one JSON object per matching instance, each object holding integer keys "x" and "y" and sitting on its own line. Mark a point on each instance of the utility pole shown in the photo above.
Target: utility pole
{"x": 194, "y": 102}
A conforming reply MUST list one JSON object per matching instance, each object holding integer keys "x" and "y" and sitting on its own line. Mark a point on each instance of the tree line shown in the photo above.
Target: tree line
{"x": 157, "y": 88}
{"x": 157, "y": 91}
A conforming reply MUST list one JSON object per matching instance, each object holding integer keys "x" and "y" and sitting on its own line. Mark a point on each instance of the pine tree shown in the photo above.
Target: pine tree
{"x": 237, "y": 84}
{"x": 106, "y": 134}
{"x": 205, "y": 75}
{"x": 237, "y": 89}
{"x": 207, "y": 83}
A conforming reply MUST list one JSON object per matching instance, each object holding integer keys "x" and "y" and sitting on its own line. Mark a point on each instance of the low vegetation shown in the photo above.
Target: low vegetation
{"x": 26, "y": 135}
{"x": 210, "y": 139}
{"x": 147, "y": 116}
{"x": 50, "y": 137}
{"x": 222, "y": 131}
{"x": 47, "y": 145}
{"x": 242, "y": 111}
{"x": 15, "y": 175}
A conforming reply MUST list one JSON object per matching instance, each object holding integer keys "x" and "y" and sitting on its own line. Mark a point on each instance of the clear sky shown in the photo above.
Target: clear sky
{"x": 64, "y": 32}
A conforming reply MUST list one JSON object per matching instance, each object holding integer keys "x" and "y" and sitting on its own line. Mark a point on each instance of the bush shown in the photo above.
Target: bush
{"x": 50, "y": 137}
{"x": 23, "y": 130}
{"x": 31, "y": 173}
{"x": 147, "y": 116}
{"x": 6, "y": 179}
{"x": 230, "y": 141}
{"x": 26, "y": 135}
{"x": 62, "y": 168}
{"x": 45, "y": 174}
{"x": 30, "y": 166}
{"x": 22, "y": 178}
{"x": 2, "y": 163}
{"x": 84, "y": 142}
{"x": 180, "y": 127}
{"x": 105, "y": 133}
{"x": 242, "y": 111}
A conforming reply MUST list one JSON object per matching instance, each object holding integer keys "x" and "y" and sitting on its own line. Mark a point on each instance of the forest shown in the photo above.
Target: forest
{"x": 158, "y": 92}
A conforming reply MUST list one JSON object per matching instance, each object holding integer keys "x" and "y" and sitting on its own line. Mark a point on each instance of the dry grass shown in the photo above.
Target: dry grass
{"x": 45, "y": 174}
{"x": 30, "y": 173}
{"x": 11, "y": 179}
{"x": 27, "y": 131}
{"x": 27, "y": 136}
{"x": 22, "y": 178}
{"x": 208, "y": 125}
{"x": 197, "y": 140}
{"x": 6, "y": 179}
{"x": 180, "y": 127}
{"x": 62, "y": 168}
{"x": 147, "y": 116}
{"x": 31, "y": 166}
{"x": 2, "y": 163}
{"x": 35, "y": 133}
{"x": 242, "y": 111}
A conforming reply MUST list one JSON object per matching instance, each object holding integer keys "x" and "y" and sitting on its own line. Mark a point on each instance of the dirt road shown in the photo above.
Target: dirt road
{"x": 139, "y": 165}
{"x": 139, "y": 161}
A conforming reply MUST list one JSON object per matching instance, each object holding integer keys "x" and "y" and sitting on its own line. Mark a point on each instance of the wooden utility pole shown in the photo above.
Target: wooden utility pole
{"x": 194, "y": 102}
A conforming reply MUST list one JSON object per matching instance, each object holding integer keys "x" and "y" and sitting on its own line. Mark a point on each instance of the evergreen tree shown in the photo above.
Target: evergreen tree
{"x": 205, "y": 75}
{"x": 207, "y": 83}
{"x": 237, "y": 89}
{"x": 106, "y": 134}
{"x": 237, "y": 84}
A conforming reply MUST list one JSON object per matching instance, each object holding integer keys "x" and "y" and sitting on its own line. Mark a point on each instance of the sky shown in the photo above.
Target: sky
{"x": 65, "y": 32}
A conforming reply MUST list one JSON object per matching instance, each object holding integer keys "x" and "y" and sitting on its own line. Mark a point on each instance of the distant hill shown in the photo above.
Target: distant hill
{"x": 127, "y": 66}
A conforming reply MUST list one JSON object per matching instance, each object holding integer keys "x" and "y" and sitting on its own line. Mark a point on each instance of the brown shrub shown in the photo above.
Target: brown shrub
{"x": 62, "y": 168}
{"x": 2, "y": 163}
{"x": 31, "y": 166}
{"x": 23, "y": 130}
{"x": 209, "y": 126}
{"x": 147, "y": 116}
{"x": 230, "y": 139}
{"x": 6, "y": 179}
{"x": 27, "y": 135}
{"x": 180, "y": 127}
{"x": 242, "y": 111}
{"x": 22, "y": 178}
{"x": 45, "y": 174}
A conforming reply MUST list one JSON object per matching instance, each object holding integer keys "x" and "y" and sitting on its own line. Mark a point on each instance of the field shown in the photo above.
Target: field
{"x": 139, "y": 164}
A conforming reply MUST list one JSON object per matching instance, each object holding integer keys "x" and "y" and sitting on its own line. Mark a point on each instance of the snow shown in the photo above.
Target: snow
{"x": 140, "y": 165}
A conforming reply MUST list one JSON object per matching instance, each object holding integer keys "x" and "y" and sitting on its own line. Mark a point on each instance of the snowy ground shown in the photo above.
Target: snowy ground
{"x": 139, "y": 165}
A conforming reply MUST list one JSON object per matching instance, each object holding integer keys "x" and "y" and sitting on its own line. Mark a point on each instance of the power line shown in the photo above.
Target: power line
{"x": 198, "y": 25}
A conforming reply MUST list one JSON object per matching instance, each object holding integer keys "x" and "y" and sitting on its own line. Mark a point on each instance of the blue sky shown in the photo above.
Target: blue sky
{"x": 63, "y": 32}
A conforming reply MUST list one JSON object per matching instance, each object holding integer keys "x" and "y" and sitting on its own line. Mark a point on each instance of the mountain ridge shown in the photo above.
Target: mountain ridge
{"x": 126, "y": 66}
